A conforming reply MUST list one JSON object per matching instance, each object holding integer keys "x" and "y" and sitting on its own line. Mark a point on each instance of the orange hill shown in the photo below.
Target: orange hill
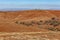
{"x": 28, "y": 20}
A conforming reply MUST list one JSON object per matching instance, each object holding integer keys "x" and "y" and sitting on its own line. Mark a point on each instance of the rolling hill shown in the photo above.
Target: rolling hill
{"x": 29, "y": 21}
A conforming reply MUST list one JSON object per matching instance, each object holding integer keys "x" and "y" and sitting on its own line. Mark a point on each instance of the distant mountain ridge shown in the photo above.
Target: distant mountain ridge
{"x": 17, "y": 9}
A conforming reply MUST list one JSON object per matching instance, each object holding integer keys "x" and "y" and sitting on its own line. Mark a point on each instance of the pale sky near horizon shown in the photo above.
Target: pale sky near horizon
{"x": 44, "y": 4}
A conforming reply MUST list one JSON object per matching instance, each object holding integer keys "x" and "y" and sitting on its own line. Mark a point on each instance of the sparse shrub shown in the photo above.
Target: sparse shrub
{"x": 16, "y": 22}
{"x": 22, "y": 23}
{"x": 40, "y": 22}
{"x": 54, "y": 23}
{"x": 28, "y": 24}
{"x": 47, "y": 22}
{"x": 32, "y": 22}
{"x": 52, "y": 29}
{"x": 57, "y": 29}
{"x": 53, "y": 18}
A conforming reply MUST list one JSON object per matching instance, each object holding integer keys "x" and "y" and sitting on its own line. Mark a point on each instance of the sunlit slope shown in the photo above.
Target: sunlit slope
{"x": 12, "y": 21}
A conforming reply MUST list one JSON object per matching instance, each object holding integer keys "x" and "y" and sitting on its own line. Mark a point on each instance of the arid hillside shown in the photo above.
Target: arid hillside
{"x": 30, "y": 21}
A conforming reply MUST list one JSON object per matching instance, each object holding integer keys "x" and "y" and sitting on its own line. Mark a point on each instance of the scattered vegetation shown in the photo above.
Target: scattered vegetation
{"x": 27, "y": 24}
{"x": 53, "y": 21}
{"x": 47, "y": 22}
{"x": 53, "y": 29}
{"x": 16, "y": 22}
{"x": 53, "y": 18}
{"x": 39, "y": 22}
{"x": 22, "y": 23}
{"x": 33, "y": 22}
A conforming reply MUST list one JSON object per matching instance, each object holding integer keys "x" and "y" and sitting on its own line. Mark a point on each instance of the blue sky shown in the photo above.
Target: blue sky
{"x": 39, "y": 4}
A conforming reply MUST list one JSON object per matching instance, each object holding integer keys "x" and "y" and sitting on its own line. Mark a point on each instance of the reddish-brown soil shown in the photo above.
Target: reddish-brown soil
{"x": 8, "y": 19}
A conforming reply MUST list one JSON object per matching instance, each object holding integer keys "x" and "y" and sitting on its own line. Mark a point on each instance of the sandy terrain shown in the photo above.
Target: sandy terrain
{"x": 30, "y": 36}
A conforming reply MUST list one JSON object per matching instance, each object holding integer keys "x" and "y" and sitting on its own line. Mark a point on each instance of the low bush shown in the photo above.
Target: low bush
{"x": 28, "y": 24}
{"x": 22, "y": 23}
{"x": 40, "y": 22}
{"x": 57, "y": 29}
{"x": 54, "y": 23}
{"x": 16, "y": 22}
{"x": 47, "y": 22}
{"x": 52, "y": 29}
{"x": 53, "y": 18}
